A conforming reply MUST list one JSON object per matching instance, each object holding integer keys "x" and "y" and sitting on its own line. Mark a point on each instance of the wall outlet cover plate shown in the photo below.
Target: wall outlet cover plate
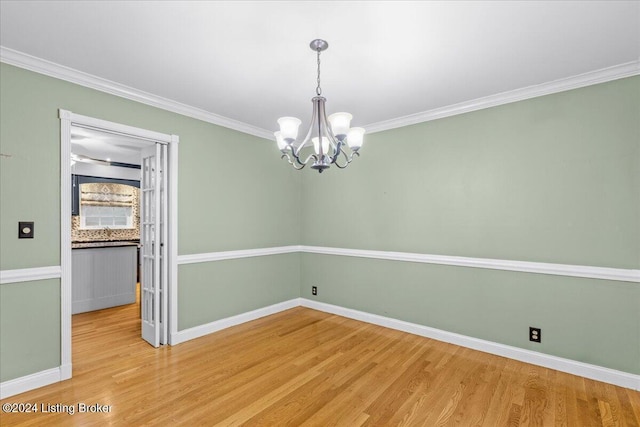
{"x": 25, "y": 230}
{"x": 535, "y": 334}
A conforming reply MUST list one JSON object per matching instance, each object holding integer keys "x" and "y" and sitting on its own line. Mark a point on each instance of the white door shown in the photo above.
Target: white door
{"x": 153, "y": 238}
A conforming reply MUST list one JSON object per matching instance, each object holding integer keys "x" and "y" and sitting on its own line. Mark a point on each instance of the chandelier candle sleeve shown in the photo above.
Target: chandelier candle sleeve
{"x": 289, "y": 128}
{"x": 282, "y": 144}
{"x": 340, "y": 123}
{"x": 355, "y": 137}
{"x": 325, "y": 145}
{"x": 334, "y": 142}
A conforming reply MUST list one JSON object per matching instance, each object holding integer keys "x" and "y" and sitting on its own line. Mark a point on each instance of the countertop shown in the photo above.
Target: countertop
{"x": 105, "y": 244}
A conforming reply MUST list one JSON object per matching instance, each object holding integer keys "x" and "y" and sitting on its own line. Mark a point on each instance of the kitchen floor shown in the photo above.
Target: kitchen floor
{"x": 104, "y": 328}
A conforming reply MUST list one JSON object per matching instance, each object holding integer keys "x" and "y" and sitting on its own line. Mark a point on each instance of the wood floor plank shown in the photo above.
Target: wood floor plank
{"x": 496, "y": 413}
{"x": 305, "y": 367}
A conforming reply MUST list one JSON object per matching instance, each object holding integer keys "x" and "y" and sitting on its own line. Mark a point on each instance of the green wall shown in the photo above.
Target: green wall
{"x": 233, "y": 190}
{"x": 233, "y": 193}
{"x": 550, "y": 179}
{"x": 553, "y": 179}
{"x": 29, "y": 329}
{"x": 236, "y": 286}
{"x": 592, "y": 321}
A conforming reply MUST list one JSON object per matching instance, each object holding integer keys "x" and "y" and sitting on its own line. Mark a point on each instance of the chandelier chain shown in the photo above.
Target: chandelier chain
{"x": 318, "y": 88}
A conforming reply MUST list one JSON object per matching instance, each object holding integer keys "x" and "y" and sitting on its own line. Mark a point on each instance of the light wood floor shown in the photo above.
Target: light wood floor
{"x": 304, "y": 367}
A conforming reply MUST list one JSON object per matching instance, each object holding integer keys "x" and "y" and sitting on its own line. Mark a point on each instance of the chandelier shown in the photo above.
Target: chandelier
{"x": 333, "y": 141}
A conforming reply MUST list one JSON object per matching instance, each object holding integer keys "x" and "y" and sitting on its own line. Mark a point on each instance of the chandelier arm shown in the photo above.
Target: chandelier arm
{"x": 325, "y": 130}
{"x": 346, "y": 157}
{"x": 311, "y": 156}
{"x": 341, "y": 166}
{"x": 286, "y": 156}
{"x": 339, "y": 150}
{"x": 297, "y": 159}
{"x": 295, "y": 156}
{"x": 304, "y": 143}
{"x": 316, "y": 100}
{"x": 353, "y": 153}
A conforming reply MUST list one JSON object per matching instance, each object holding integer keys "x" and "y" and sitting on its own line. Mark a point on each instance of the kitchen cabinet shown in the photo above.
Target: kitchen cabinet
{"x": 103, "y": 276}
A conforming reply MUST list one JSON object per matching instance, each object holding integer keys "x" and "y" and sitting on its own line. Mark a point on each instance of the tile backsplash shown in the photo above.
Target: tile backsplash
{"x": 80, "y": 235}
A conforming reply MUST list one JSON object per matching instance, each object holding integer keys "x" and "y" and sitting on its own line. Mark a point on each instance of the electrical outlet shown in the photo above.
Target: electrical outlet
{"x": 535, "y": 334}
{"x": 314, "y": 290}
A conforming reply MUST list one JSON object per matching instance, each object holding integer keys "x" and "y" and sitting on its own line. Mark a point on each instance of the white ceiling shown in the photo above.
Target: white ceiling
{"x": 105, "y": 146}
{"x": 250, "y": 61}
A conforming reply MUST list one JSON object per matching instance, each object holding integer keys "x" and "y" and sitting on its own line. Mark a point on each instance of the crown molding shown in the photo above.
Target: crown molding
{"x": 38, "y": 65}
{"x": 48, "y": 68}
{"x": 587, "y": 79}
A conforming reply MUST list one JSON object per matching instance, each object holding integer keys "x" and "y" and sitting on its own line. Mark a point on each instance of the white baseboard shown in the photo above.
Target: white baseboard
{"x": 594, "y": 372}
{"x": 100, "y": 303}
{"x": 598, "y": 373}
{"x": 30, "y": 382}
{"x": 65, "y": 372}
{"x": 209, "y": 328}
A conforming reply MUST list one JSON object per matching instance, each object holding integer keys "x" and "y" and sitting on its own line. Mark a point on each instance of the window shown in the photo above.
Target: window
{"x": 92, "y": 217}
{"x": 108, "y": 205}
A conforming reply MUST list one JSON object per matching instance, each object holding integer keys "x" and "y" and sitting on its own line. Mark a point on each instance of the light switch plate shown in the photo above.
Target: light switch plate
{"x": 25, "y": 230}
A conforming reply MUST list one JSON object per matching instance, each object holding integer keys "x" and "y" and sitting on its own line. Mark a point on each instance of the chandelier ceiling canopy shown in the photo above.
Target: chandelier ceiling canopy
{"x": 332, "y": 138}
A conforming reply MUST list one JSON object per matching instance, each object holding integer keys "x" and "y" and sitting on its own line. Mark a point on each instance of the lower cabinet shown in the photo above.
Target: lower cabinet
{"x": 103, "y": 277}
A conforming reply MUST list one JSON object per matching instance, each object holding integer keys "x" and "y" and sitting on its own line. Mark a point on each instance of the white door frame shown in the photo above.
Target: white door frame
{"x": 67, "y": 119}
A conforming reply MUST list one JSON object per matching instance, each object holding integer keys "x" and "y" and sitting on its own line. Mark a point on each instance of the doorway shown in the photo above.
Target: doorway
{"x": 105, "y": 221}
{"x": 158, "y": 222}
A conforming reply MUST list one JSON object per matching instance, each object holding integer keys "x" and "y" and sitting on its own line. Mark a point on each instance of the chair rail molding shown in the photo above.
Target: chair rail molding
{"x": 605, "y": 273}
{"x": 30, "y": 274}
{"x": 236, "y": 254}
